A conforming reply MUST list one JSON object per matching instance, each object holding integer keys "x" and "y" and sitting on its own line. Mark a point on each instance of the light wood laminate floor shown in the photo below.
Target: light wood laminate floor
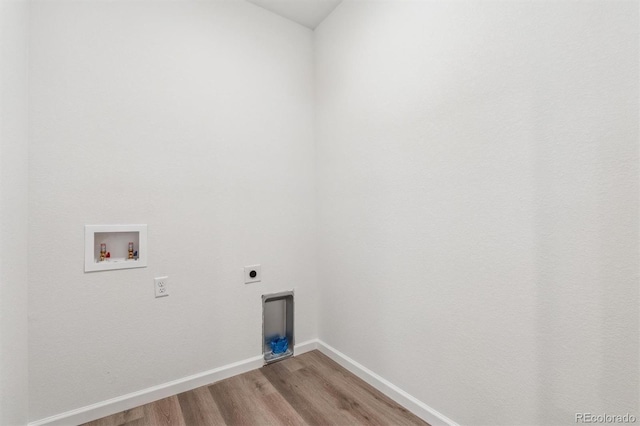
{"x": 309, "y": 389}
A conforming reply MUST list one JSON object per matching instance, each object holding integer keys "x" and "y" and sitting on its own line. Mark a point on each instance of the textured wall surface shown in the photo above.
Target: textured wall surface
{"x": 13, "y": 212}
{"x": 476, "y": 166}
{"x": 478, "y": 188}
{"x": 195, "y": 118}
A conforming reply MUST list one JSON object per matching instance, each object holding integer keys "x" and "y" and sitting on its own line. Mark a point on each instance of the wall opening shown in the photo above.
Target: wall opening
{"x": 277, "y": 326}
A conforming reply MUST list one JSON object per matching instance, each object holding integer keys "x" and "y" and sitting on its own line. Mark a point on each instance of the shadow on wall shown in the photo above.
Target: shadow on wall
{"x": 586, "y": 198}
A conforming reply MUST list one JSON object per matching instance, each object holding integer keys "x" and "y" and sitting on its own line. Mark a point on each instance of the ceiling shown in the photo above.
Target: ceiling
{"x": 305, "y": 12}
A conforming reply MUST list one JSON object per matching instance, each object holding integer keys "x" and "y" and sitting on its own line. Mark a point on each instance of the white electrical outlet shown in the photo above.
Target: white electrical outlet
{"x": 161, "y": 285}
{"x": 252, "y": 274}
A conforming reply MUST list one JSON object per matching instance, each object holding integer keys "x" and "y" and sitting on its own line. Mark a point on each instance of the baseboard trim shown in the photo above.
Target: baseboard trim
{"x": 306, "y": 346}
{"x": 154, "y": 393}
{"x": 408, "y": 401}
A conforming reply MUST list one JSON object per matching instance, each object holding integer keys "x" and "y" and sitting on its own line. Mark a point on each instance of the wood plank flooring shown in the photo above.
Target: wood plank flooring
{"x": 309, "y": 389}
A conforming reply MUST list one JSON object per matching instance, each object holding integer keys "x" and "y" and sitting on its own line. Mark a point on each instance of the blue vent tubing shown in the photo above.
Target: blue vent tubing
{"x": 279, "y": 345}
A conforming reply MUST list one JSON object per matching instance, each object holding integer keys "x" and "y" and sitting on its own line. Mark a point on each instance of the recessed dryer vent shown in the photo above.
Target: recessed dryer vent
{"x": 277, "y": 325}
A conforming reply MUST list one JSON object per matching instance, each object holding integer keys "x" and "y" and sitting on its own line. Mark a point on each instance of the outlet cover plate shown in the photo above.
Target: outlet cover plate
{"x": 248, "y": 279}
{"x": 161, "y": 286}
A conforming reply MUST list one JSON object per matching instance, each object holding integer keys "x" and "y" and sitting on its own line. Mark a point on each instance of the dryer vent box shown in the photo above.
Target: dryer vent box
{"x": 277, "y": 322}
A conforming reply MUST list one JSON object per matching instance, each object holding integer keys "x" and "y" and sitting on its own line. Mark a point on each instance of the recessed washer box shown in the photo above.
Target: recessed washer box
{"x": 116, "y": 240}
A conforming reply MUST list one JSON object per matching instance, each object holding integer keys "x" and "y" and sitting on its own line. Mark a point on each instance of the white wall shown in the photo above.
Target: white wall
{"x": 195, "y": 118}
{"x": 13, "y": 212}
{"x": 477, "y": 172}
{"x": 478, "y": 189}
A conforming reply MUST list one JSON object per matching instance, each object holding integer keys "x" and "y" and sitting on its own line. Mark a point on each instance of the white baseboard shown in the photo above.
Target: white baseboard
{"x": 145, "y": 396}
{"x": 306, "y": 346}
{"x": 408, "y": 401}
